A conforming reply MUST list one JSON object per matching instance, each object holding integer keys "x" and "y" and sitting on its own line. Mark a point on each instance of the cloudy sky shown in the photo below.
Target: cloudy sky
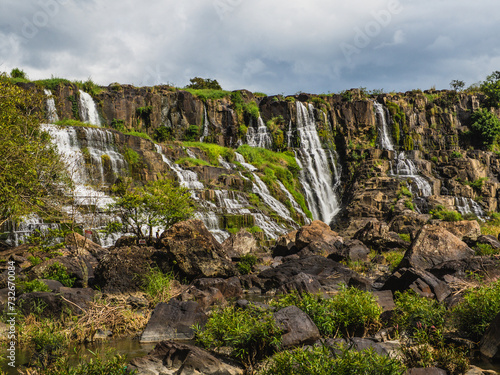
{"x": 270, "y": 46}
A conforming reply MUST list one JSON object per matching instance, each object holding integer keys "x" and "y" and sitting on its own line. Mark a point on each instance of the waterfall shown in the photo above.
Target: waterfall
{"x": 294, "y": 203}
{"x": 289, "y": 134}
{"x": 405, "y": 168}
{"x": 260, "y": 188}
{"x": 205, "y": 124}
{"x": 51, "y": 107}
{"x": 260, "y": 137}
{"x": 467, "y": 206}
{"x": 317, "y": 165}
{"x": 88, "y": 109}
{"x": 240, "y": 159}
{"x": 383, "y": 130}
{"x": 188, "y": 179}
{"x": 20, "y": 232}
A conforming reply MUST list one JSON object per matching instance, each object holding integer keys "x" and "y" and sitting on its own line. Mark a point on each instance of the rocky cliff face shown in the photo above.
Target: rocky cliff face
{"x": 361, "y": 157}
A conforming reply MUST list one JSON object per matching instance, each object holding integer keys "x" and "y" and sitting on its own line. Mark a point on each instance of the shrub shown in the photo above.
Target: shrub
{"x": 18, "y": 73}
{"x": 445, "y": 215}
{"x": 118, "y": 125}
{"x": 34, "y": 286}
{"x": 58, "y": 272}
{"x": 198, "y": 83}
{"x": 157, "y": 285}
{"x": 393, "y": 258}
{"x": 163, "y": 134}
{"x": 485, "y": 127}
{"x": 491, "y": 87}
{"x": 413, "y": 312}
{"x": 456, "y": 155}
{"x": 251, "y": 334}
{"x": 405, "y": 237}
{"x": 486, "y": 249}
{"x": 139, "y": 134}
{"x": 349, "y": 312}
{"x": 323, "y": 360}
{"x": 246, "y": 263}
{"x": 98, "y": 365}
{"x": 476, "y": 311}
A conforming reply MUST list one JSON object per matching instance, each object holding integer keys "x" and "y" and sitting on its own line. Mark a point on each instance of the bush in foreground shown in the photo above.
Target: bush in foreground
{"x": 323, "y": 360}
{"x": 348, "y": 313}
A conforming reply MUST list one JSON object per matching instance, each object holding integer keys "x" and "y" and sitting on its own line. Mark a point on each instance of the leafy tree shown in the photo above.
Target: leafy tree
{"x": 31, "y": 172}
{"x": 485, "y": 126}
{"x": 457, "y": 85}
{"x": 159, "y": 203}
{"x": 198, "y": 83}
{"x": 491, "y": 88}
{"x": 18, "y": 73}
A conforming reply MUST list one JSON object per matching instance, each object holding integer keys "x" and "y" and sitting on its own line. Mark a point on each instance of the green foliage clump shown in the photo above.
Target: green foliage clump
{"x": 159, "y": 203}
{"x": 246, "y": 263}
{"x": 89, "y": 87}
{"x": 491, "y": 88}
{"x": 349, "y": 312}
{"x": 18, "y": 73}
{"x": 486, "y": 249}
{"x": 157, "y": 285}
{"x": 324, "y": 360}
{"x": 118, "y": 125}
{"x": 440, "y": 213}
{"x": 393, "y": 258}
{"x": 413, "y": 312}
{"x": 409, "y": 205}
{"x": 399, "y": 120}
{"x": 58, "y": 272}
{"x": 485, "y": 127}
{"x": 206, "y": 94}
{"x": 456, "y": 155}
{"x": 34, "y": 286}
{"x": 404, "y": 191}
{"x": 192, "y": 133}
{"x": 198, "y": 83}
{"x": 163, "y": 134}
{"x": 251, "y": 334}
{"x": 476, "y": 311}
{"x": 53, "y": 83}
{"x": 71, "y": 122}
{"x": 131, "y": 156}
{"x": 98, "y": 365}
{"x": 49, "y": 343}
{"x": 139, "y": 134}
{"x": 31, "y": 180}
{"x": 213, "y": 151}
{"x": 404, "y": 237}
{"x": 191, "y": 162}
{"x": 275, "y": 126}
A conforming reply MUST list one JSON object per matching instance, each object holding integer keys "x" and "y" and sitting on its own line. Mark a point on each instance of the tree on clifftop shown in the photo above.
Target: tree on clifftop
{"x": 198, "y": 83}
{"x": 31, "y": 173}
{"x": 159, "y": 204}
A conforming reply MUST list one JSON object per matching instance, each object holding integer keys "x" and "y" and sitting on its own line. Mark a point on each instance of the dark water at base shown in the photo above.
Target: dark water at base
{"x": 84, "y": 352}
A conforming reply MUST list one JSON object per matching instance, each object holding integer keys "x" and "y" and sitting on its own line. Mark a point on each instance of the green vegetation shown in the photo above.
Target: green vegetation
{"x": 71, "y": 122}
{"x": 476, "y": 311}
{"x": 58, "y": 272}
{"x": 404, "y": 237}
{"x": 160, "y": 203}
{"x": 241, "y": 107}
{"x": 198, "y": 83}
{"x": 191, "y": 162}
{"x": 192, "y": 133}
{"x": 163, "y": 134}
{"x": 457, "y": 85}
{"x": 393, "y": 258}
{"x": 349, "y": 312}
{"x": 456, "y": 155}
{"x": 98, "y": 365}
{"x": 486, "y": 249}
{"x": 131, "y": 156}
{"x": 246, "y": 263}
{"x": 485, "y": 127}
{"x": 139, "y": 134}
{"x": 158, "y": 286}
{"x": 491, "y": 88}
{"x": 89, "y": 87}
{"x": 213, "y": 151}
{"x": 206, "y": 94}
{"x": 275, "y": 126}
{"x": 34, "y": 286}
{"x": 404, "y": 191}
{"x": 399, "y": 121}
{"x": 442, "y": 214}
{"x": 18, "y": 74}
{"x": 31, "y": 180}
{"x": 53, "y": 83}
{"x": 324, "y": 360}
{"x": 251, "y": 334}
{"x": 144, "y": 114}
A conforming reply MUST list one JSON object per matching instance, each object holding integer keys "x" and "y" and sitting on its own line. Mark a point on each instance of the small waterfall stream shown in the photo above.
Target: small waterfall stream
{"x": 205, "y": 124}
{"x": 318, "y": 166}
{"x": 259, "y": 137}
{"x": 88, "y": 109}
{"x": 51, "y": 107}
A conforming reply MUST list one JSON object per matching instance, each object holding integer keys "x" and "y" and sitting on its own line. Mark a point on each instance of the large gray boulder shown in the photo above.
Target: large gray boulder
{"x": 434, "y": 245}
{"x": 170, "y": 357}
{"x": 298, "y": 328}
{"x": 490, "y": 343}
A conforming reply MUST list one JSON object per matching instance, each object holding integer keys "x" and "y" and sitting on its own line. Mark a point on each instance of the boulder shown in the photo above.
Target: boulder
{"x": 123, "y": 268}
{"x": 78, "y": 244}
{"x": 385, "y": 299}
{"x": 229, "y": 288}
{"x": 489, "y": 240}
{"x": 434, "y": 245}
{"x": 301, "y": 283}
{"x": 77, "y": 267}
{"x": 388, "y": 348}
{"x": 194, "y": 252}
{"x": 205, "y": 298}
{"x": 328, "y": 273}
{"x": 285, "y": 245}
{"x": 173, "y": 320}
{"x": 422, "y": 282}
{"x": 353, "y": 250}
{"x": 377, "y": 235}
{"x": 489, "y": 267}
{"x": 317, "y": 231}
{"x": 465, "y": 230}
{"x": 47, "y": 304}
{"x": 298, "y": 328}
{"x": 169, "y": 357}
{"x": 240, "y": 244}
{"x": 490, "y": 342}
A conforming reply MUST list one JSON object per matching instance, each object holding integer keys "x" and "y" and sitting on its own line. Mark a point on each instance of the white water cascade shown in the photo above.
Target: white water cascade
{"x": 467, "y": 206}
{"x": 294, "y": 203}
{"x": 51, "y": 107}
{"x": 20, "y": 232}
{"x": 88, "y": 109}
{"x": 317, "y": 167}
{"x": 188, "y": 179}
{"x": 402, "y": 167}
{"x": 260, "y": 137}
{"x": 205, "y": 124}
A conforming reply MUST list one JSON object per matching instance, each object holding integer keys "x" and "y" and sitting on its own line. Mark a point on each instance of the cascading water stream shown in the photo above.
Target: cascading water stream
{"x": 317, "y": 167}
{"x": 467, "y": 206}
{"x": 88, "y": 109}
{"x": 205, "y": 124}
{"x": 51, "y": 107}
{"x": 260, "y": 137}
{"x": 402, "y": 166}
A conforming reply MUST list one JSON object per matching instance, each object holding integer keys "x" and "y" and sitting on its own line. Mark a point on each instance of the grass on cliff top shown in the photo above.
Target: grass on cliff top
{"x": 205, "y": 94}
{"x": 71, "y": 122}
{"x": 213, "y": 151}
